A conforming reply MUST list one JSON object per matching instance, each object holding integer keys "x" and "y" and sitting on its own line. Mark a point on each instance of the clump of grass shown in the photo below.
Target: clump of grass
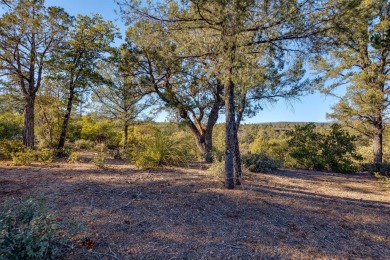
{"x": 159, "y": 149}
{"x": 218, "y": 168}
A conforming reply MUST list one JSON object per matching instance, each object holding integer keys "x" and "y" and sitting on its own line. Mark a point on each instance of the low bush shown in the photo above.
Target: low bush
{"x": 260, "y": 163}
{"x": 379, "y": 168}
{"x": 27, "y": 231}
{"x": 44, "y": 155}
{"x": 9, "y": 147}
{"x": 99, "y": 159}
{"x": 73, "y": 157}
{"x": 334, "y": 150}
{"x": 83, "y": 144}
{"x": 158, "y": 149}
{"x": 100, "y": 147}
{"x": 64, "y": 152}
{"x": 23, "y": 158}
{"x": 27, "y": 156}
{"x": 218, "y": 168}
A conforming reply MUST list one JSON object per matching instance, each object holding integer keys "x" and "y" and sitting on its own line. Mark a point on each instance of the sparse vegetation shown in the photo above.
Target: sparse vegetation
{"x": 155, "y": 147}
{"x": 28, "y": 231}
{"x": 260, "y": 163}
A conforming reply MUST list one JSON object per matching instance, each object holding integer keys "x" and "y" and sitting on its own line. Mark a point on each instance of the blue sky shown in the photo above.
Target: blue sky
{"x": 311, "y": 108}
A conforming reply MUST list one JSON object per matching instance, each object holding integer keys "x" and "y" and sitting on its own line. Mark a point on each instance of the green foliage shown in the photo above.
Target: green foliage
{"x": 305, "y": 147}
{"x": 333, "y": 151}
{"x": 23, "y": 158}
{"x": 152, "y": 147}
{"x": 270, "y": 142}
{"x": 379, "y": 168}
{"x": 27, "y": 156}
{"x": 44, "y": 155}
{"x": 83, "y": 144}
{"x": 10, "y": 126}
{"x": 260, "y": 163}
{"x": 357, "y": 59}
{"x": 218, "y": 168}
{"x": 99, "y": 159}
{"x": 9, "y": 147}
{"x": 73, "y": 157}
{"x": 384, "y": 178}
{"x": 64, "y": 152}
{"x": 100, "y": 131}
{"x": 27, "y": 231}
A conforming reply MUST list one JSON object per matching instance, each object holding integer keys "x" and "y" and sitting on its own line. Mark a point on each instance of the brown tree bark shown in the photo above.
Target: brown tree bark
{"x": 28, "y": 124}
{"x": 230, "y": 131}
{"x": 65, "y": 123}
{"x": 126, "y": 134}
{"x": 378, "y": 141}
{"x": 237, "y": 155}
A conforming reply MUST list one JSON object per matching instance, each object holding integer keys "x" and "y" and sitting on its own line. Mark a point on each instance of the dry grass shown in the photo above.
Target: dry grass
{"x": 176, "y": 213}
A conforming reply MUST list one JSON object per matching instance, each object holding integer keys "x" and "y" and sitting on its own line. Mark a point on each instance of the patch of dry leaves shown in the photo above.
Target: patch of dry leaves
{"x": 177, "y": 213}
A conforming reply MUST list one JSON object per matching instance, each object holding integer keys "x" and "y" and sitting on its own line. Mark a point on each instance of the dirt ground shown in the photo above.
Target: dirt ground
{"x": 185, "y": 213}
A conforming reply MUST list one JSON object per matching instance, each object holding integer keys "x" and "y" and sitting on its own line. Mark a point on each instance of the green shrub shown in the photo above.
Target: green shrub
{"x": 379, "y": 168}
{"x": 260, "y": 163}
{"x": 9, "y": 147}
{"x": 158, "y": 148}
{"x": 23, "y": 158}
{"x": 27, "y": 156}
{"x": 44, "y": 155}
{"x": 10, "y": 126}
{"x": 218, "y": 168}
{"x": 64, "y": 152}
{"x": 83, "y": 144}
{"x": 99, "y": 159}
{"x": 334, "y": 151}
{"x": 27, "y": 231}
{"x": 73, "y": 157}
{"x": 100, "y": 131}
{"x": 100, "y": 147}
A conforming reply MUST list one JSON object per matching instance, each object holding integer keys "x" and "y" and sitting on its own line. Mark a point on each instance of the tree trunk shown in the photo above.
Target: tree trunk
{"x": 65, "y": 122}
{"x": 212, "y": 120}
{"x": 378, "y": 142}
{"x": 230, "y": 127}
{"x": 126, "y": 134}
{"x": 237, "y": 158}
{"x": 28, "y": 126}
{"x": 237, "y": 155}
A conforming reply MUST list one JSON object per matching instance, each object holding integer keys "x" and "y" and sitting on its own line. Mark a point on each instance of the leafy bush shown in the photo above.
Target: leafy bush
{"x": 27, "y": 156}
{"x": 100, "y": 131}
{"x": 260, "y": 163}
{"x": 101, "y": 147}
{"x": 334, "y": 151}
{"x": 157, "y": 148}
{"x": 379, "y": 168}
{"x": 9, "y": 147}
{"x": 23, "y": 158}
{"x": 27, "y": 231}
{"x": 305, "y": 147}
{"x": 44, "y": 155}
{"x": 73, "y": 157}
{"x": 99, "y": 159}
{"x": 218, "y": 168}
{"x": 83, "y": 144}
{"x": 64, "y": 152}
{"x": 10, "y": 126}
